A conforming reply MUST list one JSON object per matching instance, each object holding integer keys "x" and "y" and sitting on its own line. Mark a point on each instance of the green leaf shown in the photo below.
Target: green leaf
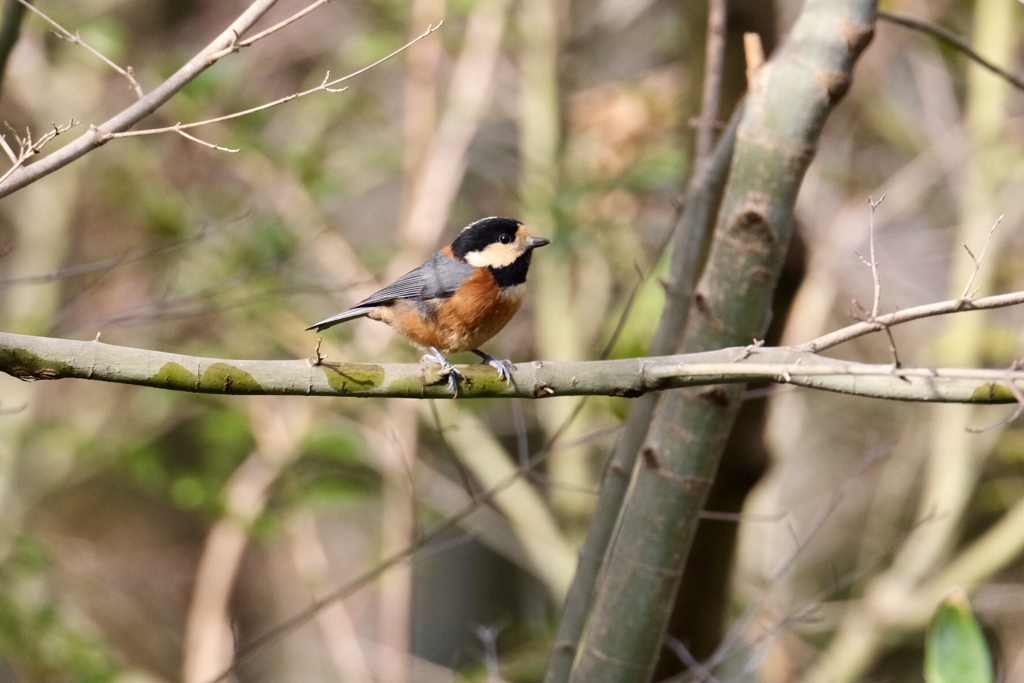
{"x": 955, "y": 650}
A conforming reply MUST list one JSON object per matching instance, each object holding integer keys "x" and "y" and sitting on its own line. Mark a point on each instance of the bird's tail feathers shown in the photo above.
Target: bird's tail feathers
{"x": 350, "y": 314}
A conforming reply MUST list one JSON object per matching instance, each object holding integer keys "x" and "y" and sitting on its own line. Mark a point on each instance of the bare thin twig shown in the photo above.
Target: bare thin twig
{"x": 953, "y": 39}
{"x": 204, "y": 143}
{"x": 98, "y": 266}
{"x": 27, "y": 148}
{"x": 181, "y": 127}
{"x": 876, "y": 281}
{"x": 281, "y": 24}
{"x": 7, "y": 148}
{"x": 892, "y": 348}
{"x": 77, "y": 40}
{"x": 225, "y": 43}
{"x": 967, "y": 294}
{"x": 864, "y": 327}
{"x": 695, "y": 669}
{"x": 327, "y": 85}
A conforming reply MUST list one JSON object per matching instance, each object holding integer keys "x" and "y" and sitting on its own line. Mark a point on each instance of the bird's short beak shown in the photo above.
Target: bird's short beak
{"x": 535, "y": 242}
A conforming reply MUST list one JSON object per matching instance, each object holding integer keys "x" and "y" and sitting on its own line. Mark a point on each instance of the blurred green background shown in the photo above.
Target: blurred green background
{"x": 149, "y": 534}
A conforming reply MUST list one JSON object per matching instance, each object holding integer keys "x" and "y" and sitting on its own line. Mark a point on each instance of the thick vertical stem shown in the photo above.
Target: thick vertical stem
{"x": 790, "y": 98}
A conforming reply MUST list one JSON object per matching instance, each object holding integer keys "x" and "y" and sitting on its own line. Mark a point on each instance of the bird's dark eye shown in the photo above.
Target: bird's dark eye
{"x": 505, "y": 238}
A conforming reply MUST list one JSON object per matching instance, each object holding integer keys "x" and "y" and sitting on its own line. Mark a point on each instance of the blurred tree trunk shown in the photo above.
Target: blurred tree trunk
{"x": 699, "y": 616}
{"x": 789, "y": 100}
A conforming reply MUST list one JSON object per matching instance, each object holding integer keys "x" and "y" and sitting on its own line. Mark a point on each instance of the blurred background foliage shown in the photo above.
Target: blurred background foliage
{"x": 145, "y": 531}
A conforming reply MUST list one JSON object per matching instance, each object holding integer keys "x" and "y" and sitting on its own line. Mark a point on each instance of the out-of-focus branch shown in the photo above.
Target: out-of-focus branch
{"x": 420, "y": 101}
{"x": 208, "y": 643}
{"x": 714, "y": 55}
{"x": 76, "y": 39}
{"x": 443, "y": 167}
{"x": 337, "y": 627}
{"x": 327, "y": 85}
{"x": 959, "y": 42}
{"x": 10, "y": 29}
{"x": 422, "y": 543}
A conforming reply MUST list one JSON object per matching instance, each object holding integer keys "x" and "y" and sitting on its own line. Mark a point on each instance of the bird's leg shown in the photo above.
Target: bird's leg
{"x": 504, "y": 367}
{"x": 447, "y": 369}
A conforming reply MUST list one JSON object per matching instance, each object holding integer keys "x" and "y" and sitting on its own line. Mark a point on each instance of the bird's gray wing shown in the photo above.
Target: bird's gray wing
{"x": 438, "y": 278}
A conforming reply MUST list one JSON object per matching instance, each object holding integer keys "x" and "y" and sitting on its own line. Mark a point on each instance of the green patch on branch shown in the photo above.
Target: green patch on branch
{"x": 218, "y": 378}
{"x": 27, "y": 366}
{"x": 993, "y": 393}
{"x": 175, "y": 376}
{"x": 355, "y": 376}
{"x": 228, "y": 379}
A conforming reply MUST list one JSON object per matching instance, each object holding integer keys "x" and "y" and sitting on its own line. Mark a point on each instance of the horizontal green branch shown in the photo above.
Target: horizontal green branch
{"x": 44, "y": 358}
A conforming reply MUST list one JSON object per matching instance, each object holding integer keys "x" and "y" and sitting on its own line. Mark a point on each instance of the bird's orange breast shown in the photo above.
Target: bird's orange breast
{"x": 477, "y": 311}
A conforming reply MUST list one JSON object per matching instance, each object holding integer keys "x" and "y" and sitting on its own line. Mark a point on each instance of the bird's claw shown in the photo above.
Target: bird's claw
{"x": 504, "y": 367}
{"x": 447, "y": 369}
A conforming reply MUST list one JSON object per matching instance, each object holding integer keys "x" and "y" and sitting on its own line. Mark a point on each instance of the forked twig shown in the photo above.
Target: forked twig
{"x": 327, "y": 85}
{"x": 876, "y": 281}
{"x": 76, "y": 39}
{"x": 967, "y": 294}
{"x": 27, "y": 148}
{"x": 864, "y": 327}
{"x": 281, "y": 24}
{"x": 227, "y": 42}
{"x": 873, "y": 264}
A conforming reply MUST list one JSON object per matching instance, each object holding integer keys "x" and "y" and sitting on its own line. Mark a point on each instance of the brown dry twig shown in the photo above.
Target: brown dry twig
{"x": 876, "y": 281}
{"x": 953, "y": 39}
{"x": 26, "y": 147}
{"x": 327, "y": 85}
{"x": 223, "y": 44}
{"x": 281, "y": 24}
{"x": 967, "y": 293}
{"x": 864, "y": 327}
{"x": 76, "y": 39}
{"x": 227, "y": 42}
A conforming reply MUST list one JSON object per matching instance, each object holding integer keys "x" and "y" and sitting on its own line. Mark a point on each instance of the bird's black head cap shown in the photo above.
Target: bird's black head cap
{"x": 476, "y": 236}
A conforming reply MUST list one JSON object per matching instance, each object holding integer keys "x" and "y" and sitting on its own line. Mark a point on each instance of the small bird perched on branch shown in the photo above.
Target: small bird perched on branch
{"x": 464, "y": 295}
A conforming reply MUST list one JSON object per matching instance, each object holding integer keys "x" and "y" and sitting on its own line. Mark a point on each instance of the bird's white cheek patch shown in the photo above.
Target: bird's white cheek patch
{"x": 495, "y": 255}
